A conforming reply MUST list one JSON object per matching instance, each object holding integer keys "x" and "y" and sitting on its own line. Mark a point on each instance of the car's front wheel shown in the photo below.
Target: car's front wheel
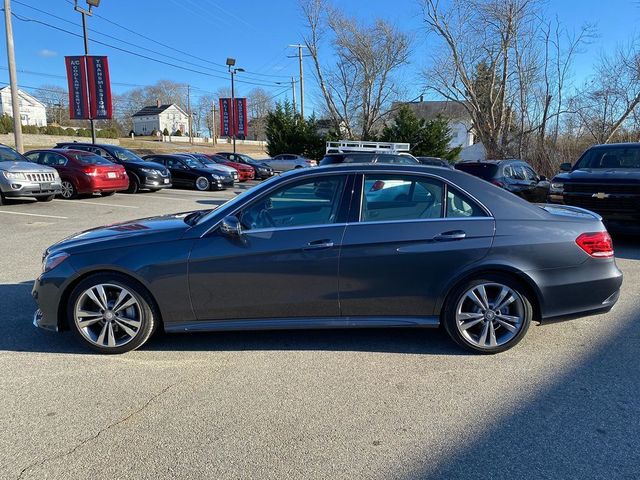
{"x": 202, "y": 184}
{"x": 111, "y": 313}
{"x": 489, "y": 314}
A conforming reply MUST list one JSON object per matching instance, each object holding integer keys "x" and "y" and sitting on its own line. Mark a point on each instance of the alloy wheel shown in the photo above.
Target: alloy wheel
{"x": 489, "y": 315}
{"x": 202, "y": 183}
{"x": 67, "y": 190}
{"x": 108, "y": 315}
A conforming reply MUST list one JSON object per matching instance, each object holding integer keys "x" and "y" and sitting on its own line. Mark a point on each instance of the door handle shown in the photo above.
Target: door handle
{"x": 318, "y": 245}
{"x": 448, "y": 236}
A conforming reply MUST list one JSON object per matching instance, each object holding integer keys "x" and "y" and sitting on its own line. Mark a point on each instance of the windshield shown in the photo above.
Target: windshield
{"x": 246, "y": 158}
{"x": 125, "y": 155}
{"x": 192, "y": 162}
{"x": 10, "y": 155}
{"x": 610, "y": 157}
{"x": 486, "y": 171}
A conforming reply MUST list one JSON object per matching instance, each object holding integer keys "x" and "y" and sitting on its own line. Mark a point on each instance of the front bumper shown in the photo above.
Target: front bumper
{"x": 22, "y": 188}
{"x": 47, "y": 291}
{"x": 156, "y": 182}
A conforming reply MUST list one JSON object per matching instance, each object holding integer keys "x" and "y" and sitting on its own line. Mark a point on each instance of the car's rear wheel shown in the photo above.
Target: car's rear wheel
{"x": 489, "y": 314}
{"x": 202, "y": 184}
{"x": 68, "y": 190}
{"x": 111, "y": 313}
{"x": 48, "y": 198}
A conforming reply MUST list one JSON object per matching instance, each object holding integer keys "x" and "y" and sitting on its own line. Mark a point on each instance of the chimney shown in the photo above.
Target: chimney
{"x": 158, "y": 103}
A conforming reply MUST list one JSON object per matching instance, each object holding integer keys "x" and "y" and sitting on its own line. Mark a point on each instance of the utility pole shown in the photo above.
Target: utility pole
{"x": 189, "y": 113}
{"x": 293, "y": 92}
{"x": 13, "y": 78}
{"x": 300, "y": 63}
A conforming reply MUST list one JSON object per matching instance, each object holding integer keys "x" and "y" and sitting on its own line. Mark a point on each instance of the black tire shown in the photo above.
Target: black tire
{"x": 202, "y": 184}
{"x": 107, "y": 194}
{"x": 69, "y": 190}
{"x": 48, "y": 198}
{"x": 521, "y": 302}
{"x": 149, "y": 316}
{"x": 134, "y": 185}
{"x": 2, "y": 200}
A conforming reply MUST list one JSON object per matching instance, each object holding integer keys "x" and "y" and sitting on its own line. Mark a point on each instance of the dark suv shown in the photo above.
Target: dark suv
{"x": 516, "y": 176}
{"x": 369, "y": 157}
{"x": 606, "y": 180}
{"x": 142, "y": 175}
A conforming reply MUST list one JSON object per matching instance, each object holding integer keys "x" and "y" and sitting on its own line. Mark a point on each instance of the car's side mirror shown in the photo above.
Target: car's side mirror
{"x": 565, "y": 167}
{"x": 231, "y": 227}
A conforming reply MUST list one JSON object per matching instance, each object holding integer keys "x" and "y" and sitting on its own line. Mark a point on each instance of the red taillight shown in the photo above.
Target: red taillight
{"x": 93, "y": 171}
{"x": 597, "y": 244}
{"x": 378, "y": 185}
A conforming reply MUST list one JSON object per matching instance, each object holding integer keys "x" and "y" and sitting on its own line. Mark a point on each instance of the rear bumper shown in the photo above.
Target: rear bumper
{"x": 99, "y": 185}
{"x": 591, "y": 287}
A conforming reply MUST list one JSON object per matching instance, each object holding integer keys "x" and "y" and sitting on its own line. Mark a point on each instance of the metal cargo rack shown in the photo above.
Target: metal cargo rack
{"x": 347, "y": 146}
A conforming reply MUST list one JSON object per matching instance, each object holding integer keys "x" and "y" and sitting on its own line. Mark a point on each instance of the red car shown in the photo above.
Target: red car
{"x": 244, "y": 171}
{"x": 82, "y": 172}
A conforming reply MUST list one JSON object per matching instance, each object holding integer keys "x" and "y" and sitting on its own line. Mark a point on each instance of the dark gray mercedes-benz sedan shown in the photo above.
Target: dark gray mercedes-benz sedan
{"x": 331, "y": 247}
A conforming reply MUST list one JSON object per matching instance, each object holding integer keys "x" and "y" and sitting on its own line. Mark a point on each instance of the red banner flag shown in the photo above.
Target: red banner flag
{"x": 77, "y": 81}
{"x": 99, "y": 88}
{"x": 240, "y": 117}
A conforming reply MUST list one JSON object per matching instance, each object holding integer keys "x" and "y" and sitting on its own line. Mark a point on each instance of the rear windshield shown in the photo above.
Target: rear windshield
{"x": 610, "y": 157}
{"x": 89, "y": 159}
{"x": 486, "y": 171}
{"x": 348, "y": 158}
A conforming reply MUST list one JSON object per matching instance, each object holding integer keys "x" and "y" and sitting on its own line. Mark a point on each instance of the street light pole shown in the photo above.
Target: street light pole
{"x": 84, "y": 13}
{"x": 13, "y": 79}
{"x": 233, "y": 102}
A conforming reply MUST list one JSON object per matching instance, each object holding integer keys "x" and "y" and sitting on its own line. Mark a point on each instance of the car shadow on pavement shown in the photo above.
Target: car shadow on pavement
{"x": 579, "y": 422}
{"x": 20, "y": 335}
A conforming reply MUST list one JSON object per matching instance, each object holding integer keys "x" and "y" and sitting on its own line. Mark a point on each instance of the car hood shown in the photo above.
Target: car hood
{"x": 600, "y": 175}
{"x": 157, "y": 166}
{"x": 24, "y": 167}
{"x": 139, "y": 231}
{"x": 220, "y": 166}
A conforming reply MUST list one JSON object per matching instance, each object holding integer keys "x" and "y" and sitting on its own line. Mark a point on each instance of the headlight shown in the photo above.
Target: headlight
{"x": 556, "y": 188}
{"x": 216, "y": 177}
{"x": 15, "y": 175}
{"x": 150, "y": 171}
{"x": 52, "y": 261}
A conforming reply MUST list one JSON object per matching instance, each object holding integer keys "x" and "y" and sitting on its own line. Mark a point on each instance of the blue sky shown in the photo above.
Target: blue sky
{"x": 256, "y": 32}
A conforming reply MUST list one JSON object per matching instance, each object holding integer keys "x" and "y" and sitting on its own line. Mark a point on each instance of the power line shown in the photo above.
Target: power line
{"x": 248, "y": 82}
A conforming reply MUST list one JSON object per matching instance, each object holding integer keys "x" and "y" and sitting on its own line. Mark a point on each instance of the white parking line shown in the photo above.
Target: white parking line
{"x": 34, "y": 215}
{"x": 84, "y": 202}
{"x": 165, "y": 197}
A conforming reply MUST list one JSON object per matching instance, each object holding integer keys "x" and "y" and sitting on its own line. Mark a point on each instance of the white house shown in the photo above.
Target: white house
{"x": 32, "y": 111}
{"x": 458, "y": 117}
{"x": 158, "y": 117}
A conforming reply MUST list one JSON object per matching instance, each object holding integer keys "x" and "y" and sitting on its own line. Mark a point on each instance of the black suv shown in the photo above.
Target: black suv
{"x": 369, "y": 157}
{"x": 606, "y": 180}
{"x": 516, "y": 176}
{"x": 142, "y": 175}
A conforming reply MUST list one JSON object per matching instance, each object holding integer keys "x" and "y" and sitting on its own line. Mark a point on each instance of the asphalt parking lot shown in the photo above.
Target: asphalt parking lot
{"x": 398, "y": 404}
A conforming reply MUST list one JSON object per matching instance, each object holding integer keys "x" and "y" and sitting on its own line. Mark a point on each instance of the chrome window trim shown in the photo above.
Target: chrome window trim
{"x": 420, "y": 220}
{"x": 300, "y": 227}
{"x": 446, "y": 182}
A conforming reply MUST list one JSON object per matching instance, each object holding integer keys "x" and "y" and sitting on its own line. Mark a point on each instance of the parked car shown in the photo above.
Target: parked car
{"x": 606, "y": 180}
{"x": 142, "y": 175}
{"x": 369, "y": 157}
{"x": 315, "y": 249}
{"x": 434, "y": 162}
{"x": 82, "y": 172}
{"x": 285, "y": 162}
{"x": 207, "y": 162}
{"x": 21, "y": 178}
{"x": 262, "y": 170}
{"x": 244, "y": 172}
{"x": 188, "y": 172}
{"x": 516, "y": 176}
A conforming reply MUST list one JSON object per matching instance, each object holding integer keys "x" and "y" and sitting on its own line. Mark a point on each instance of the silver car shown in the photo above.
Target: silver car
{"x": 285, "y": 162}
{"x": 21, "y": 178}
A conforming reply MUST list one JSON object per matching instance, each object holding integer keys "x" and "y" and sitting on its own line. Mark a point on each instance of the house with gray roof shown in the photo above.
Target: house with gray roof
{"x": 158, "y": 117}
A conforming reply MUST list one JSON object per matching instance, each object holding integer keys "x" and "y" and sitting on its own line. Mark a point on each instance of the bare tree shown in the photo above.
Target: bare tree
{"x": 508, "y": 66}
{"x": 56, "y": 100}
{"x": 358, "y": 83}
{"x": 607, "y": 102}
